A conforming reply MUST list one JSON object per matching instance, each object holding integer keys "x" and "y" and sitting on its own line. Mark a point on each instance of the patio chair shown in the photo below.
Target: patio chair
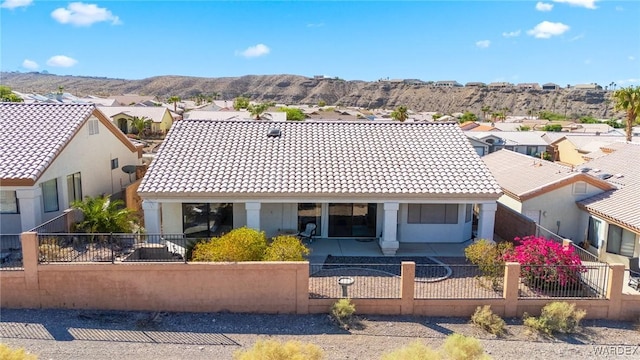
{"x": 308, "y": 233}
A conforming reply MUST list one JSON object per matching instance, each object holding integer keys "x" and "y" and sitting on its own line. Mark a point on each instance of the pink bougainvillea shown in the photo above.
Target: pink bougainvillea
{"x": 547, "y": 261}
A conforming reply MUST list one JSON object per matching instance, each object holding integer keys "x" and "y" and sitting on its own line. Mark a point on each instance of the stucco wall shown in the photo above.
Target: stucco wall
{"x": 511, "y": 224}
{"x": 567, "y": 153}
{"x": 443, "y": 233}
{"x": 560, "y": 205}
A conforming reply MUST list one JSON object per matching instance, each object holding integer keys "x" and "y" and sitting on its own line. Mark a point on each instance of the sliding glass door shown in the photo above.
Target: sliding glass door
{"x": 352, "y": 220}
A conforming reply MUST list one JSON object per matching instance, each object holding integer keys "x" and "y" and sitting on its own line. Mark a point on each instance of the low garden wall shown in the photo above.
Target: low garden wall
{"x": 258, "y": 287}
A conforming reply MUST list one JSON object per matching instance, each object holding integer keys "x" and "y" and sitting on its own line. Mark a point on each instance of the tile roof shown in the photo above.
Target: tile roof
{"x": 520, "y": 174}
{"x": 316, "y": 159}
{"x": 622, "y": 206}
{"x": 623, "y": 161}
{"x": 34, "y": 134}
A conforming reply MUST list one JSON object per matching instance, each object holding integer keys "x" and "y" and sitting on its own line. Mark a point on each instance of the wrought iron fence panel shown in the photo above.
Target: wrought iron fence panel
{"x": 564, "y": 281}
{"x": 10, "y": 252}
{"x": 456, "y": 281}
{"x": 355, "y": 281}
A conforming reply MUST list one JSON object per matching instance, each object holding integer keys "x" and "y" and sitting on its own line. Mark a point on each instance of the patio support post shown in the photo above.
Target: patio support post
{"x": 253, "y": 215}
{"x": 151, "y": 217}
{"x": 389, "y": 243}
{"x": 30, "y": 208}
{"x": 487, "y": 220}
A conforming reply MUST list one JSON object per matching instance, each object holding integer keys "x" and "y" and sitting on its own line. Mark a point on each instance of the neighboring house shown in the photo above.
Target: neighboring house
{"x": 576, "y": 149}
{"x": 524, "y": 142}
{"x": 131, "y": 99}
{"x": 447, "y": 83}
{"x": 611, "y": 221}
{"x": 481, "y": 147}
{"x": 499, "y": 85}
{"x": 550, "y": 86}
{"x": 122, "y": 117}
{"x": 394, "y": 182}
{"x": 587, "y": 87}
{"x": 544, "y": 191}
{"x": 234, "y": 115}
{"x": 528, "y": 86}
{"x": 475, "y": 84}
{"x": 53, "y": 154}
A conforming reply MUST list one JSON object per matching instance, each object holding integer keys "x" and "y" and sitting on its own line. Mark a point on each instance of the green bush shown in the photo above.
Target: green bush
{"x": 342, "y": 312}
{"x": 242, "y": 244}
{"x": 556, "y": 317}
{"x": 552, "y": 128}
{"x": 489, "y": 258}
{"x": 7, "y": 353}
{"x": 275, "y": 350}
{"x": 486, "y": 319}
{"x": 460, "y": 347}
{"x": 414, "y": 351}
{"x": 286, "y": 248}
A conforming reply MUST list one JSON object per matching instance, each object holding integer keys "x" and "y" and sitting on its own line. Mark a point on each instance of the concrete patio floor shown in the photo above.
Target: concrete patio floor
{"x": 320, "y": 248}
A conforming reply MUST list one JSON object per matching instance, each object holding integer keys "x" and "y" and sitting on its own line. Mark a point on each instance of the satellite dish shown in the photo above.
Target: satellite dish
{"x": 129, "y": 169}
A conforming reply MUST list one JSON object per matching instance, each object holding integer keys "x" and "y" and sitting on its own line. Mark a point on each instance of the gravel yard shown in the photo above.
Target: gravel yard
{"x": 76, "y": 334}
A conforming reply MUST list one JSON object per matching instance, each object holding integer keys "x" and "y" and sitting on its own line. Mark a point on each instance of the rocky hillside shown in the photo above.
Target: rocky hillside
{"x": 292, "y": 89}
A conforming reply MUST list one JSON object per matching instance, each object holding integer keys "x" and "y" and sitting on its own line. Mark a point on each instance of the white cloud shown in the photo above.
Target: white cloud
{"x": 12, "y": 4}
{"x": 255, "y": 51}
{"x": 511, "y": 33}
{"x": 61, "y": 61}
{"x": 589, "y": 4}
{"x": 631, "y": 57}
{"x": 547, "y": 29}
{"x": 30, "y": 64}
{"x": 81, "y": 14}
{"x": 483, "y": 44}
{"x": 540, "y": 6}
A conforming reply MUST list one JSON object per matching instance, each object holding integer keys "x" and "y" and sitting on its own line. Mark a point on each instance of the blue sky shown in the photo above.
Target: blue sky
{"x": 560, "y": 41}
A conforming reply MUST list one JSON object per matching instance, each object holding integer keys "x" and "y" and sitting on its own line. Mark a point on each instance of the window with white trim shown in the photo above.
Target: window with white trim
{"x": 94, "y": 127}
{"x": 50, "y": 195}
{"x": 74, "y": 187}
{"x": 8, "y": 202}
{"x": 433, "y": 214}
{"x": 593, "y": 234}
{"x": 620, "y": 241}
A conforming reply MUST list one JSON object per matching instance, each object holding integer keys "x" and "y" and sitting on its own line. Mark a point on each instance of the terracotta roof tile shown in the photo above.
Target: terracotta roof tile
{"x": 33, "y": 135}
{"x": 621, "y": 205}
{"x": 238, "y": 158}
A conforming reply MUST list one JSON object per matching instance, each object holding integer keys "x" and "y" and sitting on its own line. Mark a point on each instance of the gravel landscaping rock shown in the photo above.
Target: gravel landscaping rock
{"x": 82, "y": 334}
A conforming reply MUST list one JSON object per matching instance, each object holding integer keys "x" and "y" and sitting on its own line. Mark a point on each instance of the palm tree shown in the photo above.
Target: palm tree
{"x": 628, "y": 100}
{"x": 140, "y": 124}
{"x": 101, "y": 215}
{"x": 400, "y": 113}
{"x": 175, "y": 100}
{"x": 485, "y": 109}
{"x": 258, "y": 109}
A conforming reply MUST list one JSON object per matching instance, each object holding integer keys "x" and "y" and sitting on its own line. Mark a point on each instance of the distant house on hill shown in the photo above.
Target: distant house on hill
{"x": 550, "y": 86}
{"x": 447, "y": 83}
{"x": 475, "y": 84}
{"x": 587, "y": 87}
{"x": 499, "y": 85}
{"x": 528, "y": 86}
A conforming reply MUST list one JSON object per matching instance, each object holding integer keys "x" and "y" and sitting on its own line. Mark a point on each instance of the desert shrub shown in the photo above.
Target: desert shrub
{"x": 486, "y": 319}
{"x": 7, "y": 353}
{"x": 460, "y": 347}
{"x": 272, "y": 349}
{"x": 50, "y": 250}
{"x": 489, "y": 257}
{"x": 414, "y": 351}
{"x": 556, "y": 317}
{"x": 242, "y": 244}
{"x": 103, "y": 215}
{"x": 286, "y": 248}
{"x": 546, "y": 264}
{"x": 342, "y": 312}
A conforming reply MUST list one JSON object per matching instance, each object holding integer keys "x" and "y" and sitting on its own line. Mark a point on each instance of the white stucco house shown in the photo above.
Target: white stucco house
{"x": 544, "y": 191}
{"x": 53, "y": 154}
{"x": 393, "y": 182}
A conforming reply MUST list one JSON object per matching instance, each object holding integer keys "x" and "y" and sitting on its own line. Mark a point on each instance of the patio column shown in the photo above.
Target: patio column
{"x": 152, "y": 220}
{"x": 253, "y": 215}
{"x": 389, "y": 243}
{"x": 487, "y": 220}
{"x": 30, "y": 207}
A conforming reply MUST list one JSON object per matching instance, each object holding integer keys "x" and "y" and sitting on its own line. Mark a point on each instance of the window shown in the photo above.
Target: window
{"x": 620, "y": 241}
{"x": 206, "y": 220}
{"x": 580, "y": 188}
{"x": 74, "y": 187}
{"x": 593, "y": 234}
{"x": 93, "y": 126}
{"x": 309, "y": 213}
{"x": 433, "y": 214}
{"x": 8, "y": 202}
{"x": 114, "y": 163}
{"x": 468, "y": 214}
{"x": 50, "y": 195}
